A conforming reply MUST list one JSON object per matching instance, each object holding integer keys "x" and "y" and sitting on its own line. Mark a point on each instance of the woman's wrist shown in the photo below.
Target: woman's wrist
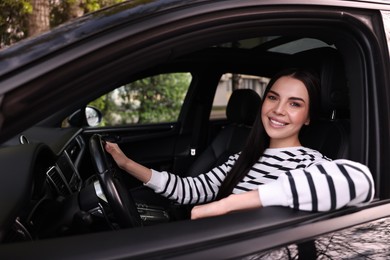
{"x": 128, "y": 165}
{"x": 138, "y": 171}
{"x": 241, "y": 201}
{"x": 224, "y": 205}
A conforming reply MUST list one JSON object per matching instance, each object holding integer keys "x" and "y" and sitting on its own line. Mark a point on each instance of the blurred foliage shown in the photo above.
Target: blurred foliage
{"x": 13, "y": 20}
{"x": 14, "y": 15}
{"x": 149, "y": 100}
{"x": 61, "y": 11}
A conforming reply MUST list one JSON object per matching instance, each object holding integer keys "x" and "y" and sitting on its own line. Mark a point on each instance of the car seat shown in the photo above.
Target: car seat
{"x": 329, "y": 134}
{"x": 241, "y": 112}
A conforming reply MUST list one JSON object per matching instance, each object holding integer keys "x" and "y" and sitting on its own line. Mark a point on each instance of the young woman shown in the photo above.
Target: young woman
{"x": 273, "y": 168}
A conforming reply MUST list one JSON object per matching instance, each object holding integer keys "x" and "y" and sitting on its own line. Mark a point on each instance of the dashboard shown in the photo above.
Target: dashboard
{"x": 56, "y": 192}
{"x": 47, "y": 162}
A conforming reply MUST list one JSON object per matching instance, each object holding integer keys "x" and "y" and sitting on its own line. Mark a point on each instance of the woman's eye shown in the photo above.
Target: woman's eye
{"x": 295, "y": 104}
{"x": 271, "y": 97}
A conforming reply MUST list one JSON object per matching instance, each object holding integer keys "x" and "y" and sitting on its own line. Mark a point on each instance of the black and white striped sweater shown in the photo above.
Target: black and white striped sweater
{"x": 297, "y": 177}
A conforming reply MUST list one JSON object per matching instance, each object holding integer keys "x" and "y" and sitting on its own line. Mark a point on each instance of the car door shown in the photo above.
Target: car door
{"x": 159, "y": 120}
{"x": 173, "y": 32}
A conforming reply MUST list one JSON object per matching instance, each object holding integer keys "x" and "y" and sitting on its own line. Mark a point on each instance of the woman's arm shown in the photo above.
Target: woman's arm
{"x": 135, "y": 169}
{"x": 234, "y": 202}
{"x": 188, "y": 190}
{"x": 321, "y": 187}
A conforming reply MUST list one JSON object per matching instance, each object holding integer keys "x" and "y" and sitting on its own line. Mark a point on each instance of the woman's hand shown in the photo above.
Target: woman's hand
{"x": 234, "y": 202}
{"x": 119, "y": 157}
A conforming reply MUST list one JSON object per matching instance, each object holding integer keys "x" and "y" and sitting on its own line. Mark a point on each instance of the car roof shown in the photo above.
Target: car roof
{"x": 75, "y": 31}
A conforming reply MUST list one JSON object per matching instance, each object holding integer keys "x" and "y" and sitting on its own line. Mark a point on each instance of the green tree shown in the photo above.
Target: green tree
{"x": 15, "y": 17}
{"x": 149, "y": 100}
{"x": 13, "y": 20}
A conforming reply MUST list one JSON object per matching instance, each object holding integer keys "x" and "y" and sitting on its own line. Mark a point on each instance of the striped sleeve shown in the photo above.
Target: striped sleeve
{"x": 321, "y": 187}
{"x": 191, "y": 190}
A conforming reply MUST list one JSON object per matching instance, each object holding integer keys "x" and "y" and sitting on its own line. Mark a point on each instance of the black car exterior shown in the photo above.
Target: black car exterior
{"x": 45, "y": 79}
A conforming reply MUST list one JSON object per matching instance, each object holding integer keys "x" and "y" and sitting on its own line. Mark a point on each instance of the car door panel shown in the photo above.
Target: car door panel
{"x": 150, "y": 145}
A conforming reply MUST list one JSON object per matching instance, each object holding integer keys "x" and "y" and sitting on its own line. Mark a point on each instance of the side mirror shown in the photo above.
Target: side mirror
{"x": 90, "y": 116}
{"x": 93, "y": 116}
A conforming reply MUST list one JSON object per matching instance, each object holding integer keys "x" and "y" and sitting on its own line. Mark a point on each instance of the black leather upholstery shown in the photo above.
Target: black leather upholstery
{"x": 329, "y": 134}
{"x": 329, "y": 137}
{"x": 242, "y": 107}
{"x": 241, "y": 111}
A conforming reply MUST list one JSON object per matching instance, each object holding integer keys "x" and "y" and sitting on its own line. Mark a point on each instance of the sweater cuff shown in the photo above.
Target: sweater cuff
{"x": 273, "y": 194}
{"x": 155, "y": 180}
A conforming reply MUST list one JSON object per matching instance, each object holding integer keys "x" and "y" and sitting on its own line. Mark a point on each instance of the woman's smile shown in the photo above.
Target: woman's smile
{"x": 277, "y": 123}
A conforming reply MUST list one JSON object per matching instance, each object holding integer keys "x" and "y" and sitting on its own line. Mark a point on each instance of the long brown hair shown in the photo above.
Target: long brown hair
{"x": 258, "y": 139}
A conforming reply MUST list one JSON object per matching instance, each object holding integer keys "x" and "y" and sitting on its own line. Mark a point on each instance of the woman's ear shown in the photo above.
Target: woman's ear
{"x": 307, "y": 121}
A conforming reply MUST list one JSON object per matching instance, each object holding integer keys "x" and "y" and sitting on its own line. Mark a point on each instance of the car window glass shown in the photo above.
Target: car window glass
{"x": 230, "y": 82}
{"x": 365, "y": 241}
{"x": 155, "y": 99}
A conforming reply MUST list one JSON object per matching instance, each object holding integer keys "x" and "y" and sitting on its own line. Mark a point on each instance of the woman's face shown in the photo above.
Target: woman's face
{"x": 285, "y": 110}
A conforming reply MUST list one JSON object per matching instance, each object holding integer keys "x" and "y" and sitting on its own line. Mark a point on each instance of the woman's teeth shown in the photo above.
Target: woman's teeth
{"x": 277, "y": 123}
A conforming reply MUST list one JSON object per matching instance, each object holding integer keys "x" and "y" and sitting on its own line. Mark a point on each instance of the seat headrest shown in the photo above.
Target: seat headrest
{"x": 243, "y": 106}
{"x": 330, "y": 67}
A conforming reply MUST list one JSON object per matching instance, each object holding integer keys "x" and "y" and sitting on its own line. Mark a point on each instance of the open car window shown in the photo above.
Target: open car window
{"x": 155, "y": 99}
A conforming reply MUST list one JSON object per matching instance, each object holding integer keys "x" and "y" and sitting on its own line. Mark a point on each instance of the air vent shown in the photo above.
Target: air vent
{"x": 75, "y": 149}
{"x": 55, "y": 179}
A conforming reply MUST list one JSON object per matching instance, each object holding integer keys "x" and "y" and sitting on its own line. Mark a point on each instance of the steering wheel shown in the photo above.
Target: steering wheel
{"x": 118, "y": 198}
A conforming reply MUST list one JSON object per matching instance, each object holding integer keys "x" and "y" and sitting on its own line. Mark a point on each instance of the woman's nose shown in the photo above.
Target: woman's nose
{"x": 279, "y": 108}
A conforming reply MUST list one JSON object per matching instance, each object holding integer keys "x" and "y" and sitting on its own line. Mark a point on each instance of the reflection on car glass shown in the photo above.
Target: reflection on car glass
{"x": 366, "y": 241}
